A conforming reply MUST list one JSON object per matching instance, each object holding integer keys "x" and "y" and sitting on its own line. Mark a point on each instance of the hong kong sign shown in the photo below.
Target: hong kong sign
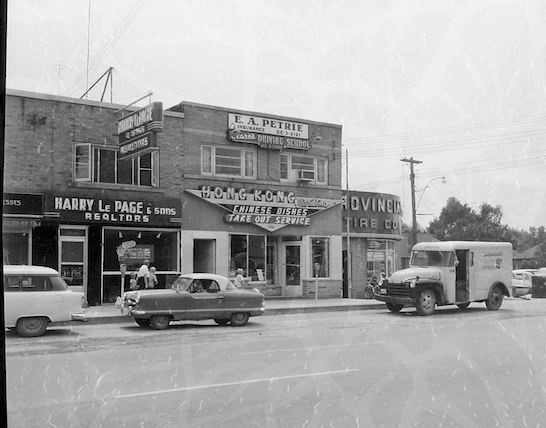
{"x": 137, "y": 131}
{"x": 264, "y": 125}
{"x": 272, "y": 142}
{"x": 115, "y": 211}
{"x": 268, "y": 209}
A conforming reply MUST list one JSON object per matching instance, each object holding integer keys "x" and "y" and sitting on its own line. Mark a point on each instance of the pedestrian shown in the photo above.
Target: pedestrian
{"x": 239, "y": 278}
{"x": 152, "y": 278}
{"x": 142, "y": 275}
{"x": 132, "y": 281}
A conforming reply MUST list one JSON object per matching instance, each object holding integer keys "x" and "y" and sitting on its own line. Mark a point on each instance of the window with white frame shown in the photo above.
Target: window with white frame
{"x": 101, "y": 165}
{"x": 299, "y": 167}
{"x": 230, "y": 161}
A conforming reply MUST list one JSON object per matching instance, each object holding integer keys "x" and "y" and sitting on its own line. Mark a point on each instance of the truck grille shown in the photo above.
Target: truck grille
{"x": 397, "y": 290}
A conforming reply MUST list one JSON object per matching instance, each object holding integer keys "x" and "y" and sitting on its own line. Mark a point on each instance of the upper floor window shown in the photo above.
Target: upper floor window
{"x": 309, "y": 168}
{"x": 230, "y": 161}
{"x": 101, "y": 165}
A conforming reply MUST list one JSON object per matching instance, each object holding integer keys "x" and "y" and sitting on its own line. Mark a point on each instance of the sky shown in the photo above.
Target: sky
{"x": 457, "y": 85}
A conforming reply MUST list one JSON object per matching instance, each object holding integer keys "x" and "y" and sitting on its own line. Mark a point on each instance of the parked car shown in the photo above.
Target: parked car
{"x": 35, "y": 296}
{"x": 521, "y": 282}
{"x": 195, "y": 296}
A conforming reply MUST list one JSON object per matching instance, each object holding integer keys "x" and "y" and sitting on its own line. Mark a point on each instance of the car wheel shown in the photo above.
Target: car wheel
{"x": 159, "y": 322}
{"x": 221, "y": 321}
{"x": 463, "y": 306}
{"x": 426, "y": 302}
{"x": 142, "y": 322}
{"x": 394, "y": 307}
{"x": 31, "y": 327}
{"x": 494, "y": 301}
{"x": 238, "y": 319}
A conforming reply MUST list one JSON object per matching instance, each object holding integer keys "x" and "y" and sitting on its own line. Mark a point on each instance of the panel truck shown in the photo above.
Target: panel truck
{"x": 450, "y": 273}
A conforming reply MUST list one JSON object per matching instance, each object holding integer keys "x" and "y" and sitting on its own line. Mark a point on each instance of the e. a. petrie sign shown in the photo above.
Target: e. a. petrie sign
{"x": 137, "y": 131}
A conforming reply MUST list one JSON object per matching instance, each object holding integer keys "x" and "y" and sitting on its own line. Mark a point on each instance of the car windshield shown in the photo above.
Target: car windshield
{"x": 432, "y": 258}
{"x": 182, "y": 283}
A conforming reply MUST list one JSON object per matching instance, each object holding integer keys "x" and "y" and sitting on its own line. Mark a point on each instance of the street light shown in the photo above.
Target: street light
{"x": 444, "y": 181}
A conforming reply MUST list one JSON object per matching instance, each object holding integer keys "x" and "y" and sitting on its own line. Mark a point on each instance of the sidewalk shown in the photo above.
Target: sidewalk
{"x": 108, "y": 314}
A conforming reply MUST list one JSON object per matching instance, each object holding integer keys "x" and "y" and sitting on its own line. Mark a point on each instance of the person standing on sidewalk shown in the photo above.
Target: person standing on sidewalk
{"x": 142, "y": 275}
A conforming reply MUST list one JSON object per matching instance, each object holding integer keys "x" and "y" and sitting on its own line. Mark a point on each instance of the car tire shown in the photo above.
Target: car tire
{"x": 159, "y": 322}
{"x": 463, "y": 306}
{"x": 394, "y": 307}
{"x": 494, "y": 300}
{"x": 426, "y": 302}
{"x": 142, "y": 322}
{"x": 32, "y": 326}
{"x": 239, "y": 319}
{"x": 221, "y": 321}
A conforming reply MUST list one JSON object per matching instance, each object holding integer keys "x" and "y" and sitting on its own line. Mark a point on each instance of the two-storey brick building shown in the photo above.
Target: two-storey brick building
{"x": 91, "y": 191}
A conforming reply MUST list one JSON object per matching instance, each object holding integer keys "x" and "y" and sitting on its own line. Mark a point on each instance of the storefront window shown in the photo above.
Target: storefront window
{"x": 380, "y": 258}
{"x": 132, "y": 247}
{"x": 320, "y": 256}
{"x": 248, "y": 252}
{"x": 271, "y": 260}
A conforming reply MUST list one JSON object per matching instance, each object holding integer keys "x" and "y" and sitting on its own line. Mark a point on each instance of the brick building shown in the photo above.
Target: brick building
{"x": 92, "y": 189}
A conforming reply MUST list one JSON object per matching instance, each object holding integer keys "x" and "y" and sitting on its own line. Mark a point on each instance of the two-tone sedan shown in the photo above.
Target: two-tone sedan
{"x": 195, "y": 296}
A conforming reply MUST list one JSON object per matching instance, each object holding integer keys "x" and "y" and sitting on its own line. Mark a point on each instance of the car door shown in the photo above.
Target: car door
{"x": 205, "y": 300}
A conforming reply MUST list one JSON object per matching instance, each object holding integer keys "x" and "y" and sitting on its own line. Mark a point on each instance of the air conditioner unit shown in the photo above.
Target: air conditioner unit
{"x": 304, "y": 175}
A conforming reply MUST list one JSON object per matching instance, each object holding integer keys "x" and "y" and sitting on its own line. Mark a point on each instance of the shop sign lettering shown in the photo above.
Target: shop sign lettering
{"x": 268, "y": 209}
{"x": 271, "y": 142}
{"x": 264, "y": 125}
{"x": 376, "y": 213}
{"x": 114, "y": 210}
{"x": 18, "y": 203}
{"x": 137, "y": 131}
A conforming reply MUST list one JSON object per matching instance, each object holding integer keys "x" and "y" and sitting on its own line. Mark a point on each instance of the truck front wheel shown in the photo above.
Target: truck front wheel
{"x": 394, "y": 307}
{"x": 426, "y": 302}
{"x": 494, "y": 301}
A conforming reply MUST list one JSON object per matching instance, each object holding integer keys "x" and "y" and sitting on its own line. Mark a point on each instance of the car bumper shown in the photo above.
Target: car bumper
{"x": 407, "y": 301}
{"x": 79, "y": 316}
{"x": 520, "y": 291}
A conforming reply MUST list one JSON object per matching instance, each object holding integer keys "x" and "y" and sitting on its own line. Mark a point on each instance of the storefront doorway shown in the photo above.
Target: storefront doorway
{"x": 204, "y": 255}
{"x": 73, "y": 257}
{"x": 291, "y": 265}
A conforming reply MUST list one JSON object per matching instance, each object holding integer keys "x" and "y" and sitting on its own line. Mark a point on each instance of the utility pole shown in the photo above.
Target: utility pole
{"x": 412, "y": 161}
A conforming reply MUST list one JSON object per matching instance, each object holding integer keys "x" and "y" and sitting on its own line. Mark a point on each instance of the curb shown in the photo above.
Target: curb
{"x": 115, "y": 319}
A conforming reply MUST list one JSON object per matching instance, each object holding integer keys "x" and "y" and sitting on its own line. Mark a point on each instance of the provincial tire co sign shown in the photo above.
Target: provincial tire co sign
{"x": 137, "y": 132}
{"x": 268, "y": 209}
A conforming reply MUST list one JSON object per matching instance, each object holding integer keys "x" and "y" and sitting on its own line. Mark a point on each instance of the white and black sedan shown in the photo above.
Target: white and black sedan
{"x": 195, "y": 296}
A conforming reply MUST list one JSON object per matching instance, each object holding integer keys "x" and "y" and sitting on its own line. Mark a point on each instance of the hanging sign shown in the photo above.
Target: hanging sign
{"x": 268, "y": 209}
{"x": 137, "y": 131}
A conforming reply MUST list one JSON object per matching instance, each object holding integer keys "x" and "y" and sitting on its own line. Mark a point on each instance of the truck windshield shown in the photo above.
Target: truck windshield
{"x": 432, "y": 258}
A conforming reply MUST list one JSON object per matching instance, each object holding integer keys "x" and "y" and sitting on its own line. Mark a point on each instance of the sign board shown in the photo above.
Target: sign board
{"x": 268, "y": 209}
{"x": 271, "y": 142}
{"x": 20, "y": 203}
{"x": 114, "y": 211}
{"x": 137, "y": 130}
{"x": 373, "y": 213}
{"x": 265, "y": 125}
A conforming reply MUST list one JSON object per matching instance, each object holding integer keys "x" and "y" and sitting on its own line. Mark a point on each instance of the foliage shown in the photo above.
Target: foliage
{"x": 459, "y": 222}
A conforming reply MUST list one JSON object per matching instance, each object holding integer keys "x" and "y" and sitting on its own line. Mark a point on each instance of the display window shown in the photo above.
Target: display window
{"x": 131, "y": 247}
{"x": 380, "y": 258}
{"x": 251, "y": 253}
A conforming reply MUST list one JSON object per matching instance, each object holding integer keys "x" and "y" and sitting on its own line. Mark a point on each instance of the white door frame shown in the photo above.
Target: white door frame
{"x": 83, "y": 263}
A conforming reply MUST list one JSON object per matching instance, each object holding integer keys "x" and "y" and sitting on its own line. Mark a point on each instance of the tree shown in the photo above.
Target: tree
{"x": 459, "y": 222}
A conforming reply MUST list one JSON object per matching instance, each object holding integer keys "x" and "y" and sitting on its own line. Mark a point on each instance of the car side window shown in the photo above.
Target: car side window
{"x": 11, "y": 283}
{"x": 213, "y": 287}
{"x": 196, "y": 287}
{"x": 36, "y": 283}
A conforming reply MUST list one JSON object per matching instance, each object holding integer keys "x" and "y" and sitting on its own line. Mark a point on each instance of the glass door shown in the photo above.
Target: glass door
{"x": 292, "y": 269}
{"x": 73, "y": 258}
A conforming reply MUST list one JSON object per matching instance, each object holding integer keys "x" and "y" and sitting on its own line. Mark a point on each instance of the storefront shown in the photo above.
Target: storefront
{"x": 99, "y": 238}
{"x": 286, "y": 244}
{"x": 374, "y": 223}
{"x": 22, "y": 216}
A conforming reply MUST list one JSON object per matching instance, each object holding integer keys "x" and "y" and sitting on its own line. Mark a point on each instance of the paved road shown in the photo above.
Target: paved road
{"x": 344, "y": 369}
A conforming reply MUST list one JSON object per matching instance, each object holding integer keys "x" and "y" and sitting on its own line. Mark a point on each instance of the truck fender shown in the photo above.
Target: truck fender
{"x": 436, "y": 286}
{"x": 505, "y": 291}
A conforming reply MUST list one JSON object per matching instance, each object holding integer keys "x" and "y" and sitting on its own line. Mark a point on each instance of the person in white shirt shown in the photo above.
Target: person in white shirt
{"x": 239, "y": 278}
{"x": 142, "y": 275}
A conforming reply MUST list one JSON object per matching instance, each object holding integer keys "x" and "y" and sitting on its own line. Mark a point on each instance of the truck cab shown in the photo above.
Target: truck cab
{"x": 450, "y": 273}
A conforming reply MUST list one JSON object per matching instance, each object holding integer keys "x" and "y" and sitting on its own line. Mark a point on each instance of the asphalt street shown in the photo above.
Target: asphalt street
{"x": 369, "y": 368}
